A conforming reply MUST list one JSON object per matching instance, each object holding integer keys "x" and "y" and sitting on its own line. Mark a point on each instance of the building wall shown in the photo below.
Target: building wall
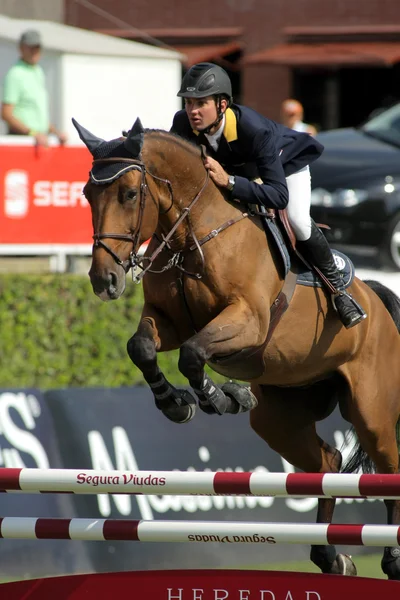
{"x": 52, "y": 10}
{"x": 263, "y": 21}
{"x": 107, "y": 94}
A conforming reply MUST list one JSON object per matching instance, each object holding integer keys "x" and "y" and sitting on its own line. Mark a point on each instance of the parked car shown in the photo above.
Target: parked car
{"x": 356, "y": 186}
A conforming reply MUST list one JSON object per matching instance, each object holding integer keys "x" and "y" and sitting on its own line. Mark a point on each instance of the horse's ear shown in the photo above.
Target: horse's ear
{"x": 134, "y": 141}
{"x": 91, "y": 141}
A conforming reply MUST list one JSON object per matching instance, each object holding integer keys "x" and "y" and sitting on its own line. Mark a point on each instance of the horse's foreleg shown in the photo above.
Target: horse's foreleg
{"x": 228, "y": 333}
{"x": 155, "y": 333}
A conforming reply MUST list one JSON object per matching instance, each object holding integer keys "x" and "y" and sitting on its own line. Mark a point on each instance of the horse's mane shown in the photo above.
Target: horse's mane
{"x": 177, "y": 139}
{"x": 174, "y": 137}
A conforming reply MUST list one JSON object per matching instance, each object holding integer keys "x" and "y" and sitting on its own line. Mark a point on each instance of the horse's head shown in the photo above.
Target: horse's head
{"x": 124, "y": 215}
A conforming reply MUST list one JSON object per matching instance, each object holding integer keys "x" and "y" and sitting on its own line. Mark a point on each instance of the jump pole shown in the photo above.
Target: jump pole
{"x": 198, "y": 531}
{"x": 301, "y": 485}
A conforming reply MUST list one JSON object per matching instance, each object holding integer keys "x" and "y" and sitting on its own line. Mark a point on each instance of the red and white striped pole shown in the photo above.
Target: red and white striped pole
{"x": 300, "y": 485}
{"x": 199, "y": 531}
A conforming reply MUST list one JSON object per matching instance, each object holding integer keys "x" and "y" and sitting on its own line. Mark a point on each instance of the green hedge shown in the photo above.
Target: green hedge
{"x": 56, "y": 333}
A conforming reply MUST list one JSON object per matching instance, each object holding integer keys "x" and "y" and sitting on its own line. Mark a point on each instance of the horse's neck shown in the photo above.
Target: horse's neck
{"x": 205, "y": 208}
{"x": 209, "y": 211}
{"x": 194, "y": 194}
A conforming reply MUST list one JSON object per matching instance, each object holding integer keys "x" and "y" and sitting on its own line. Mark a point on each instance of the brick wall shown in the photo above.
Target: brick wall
{"x": 263, "y": 21}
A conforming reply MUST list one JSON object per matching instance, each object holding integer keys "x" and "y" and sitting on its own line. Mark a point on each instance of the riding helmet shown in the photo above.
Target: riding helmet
{"x": 206, "y": 79}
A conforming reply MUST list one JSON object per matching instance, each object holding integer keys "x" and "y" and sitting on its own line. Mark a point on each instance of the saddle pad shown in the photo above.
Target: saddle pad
{"x": 311, "y": 279}
{"x": 306, "y": 276}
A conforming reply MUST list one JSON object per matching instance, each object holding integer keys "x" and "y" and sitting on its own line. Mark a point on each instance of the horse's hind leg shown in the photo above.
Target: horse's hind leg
{"x": 284, "y": 418}
{"x": 374, "y": 412}
{"x": 391, "y": 556}
{"x": 325, "y": 557}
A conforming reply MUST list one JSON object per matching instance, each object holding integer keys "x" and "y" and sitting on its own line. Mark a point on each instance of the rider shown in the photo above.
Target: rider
{"x": 244, "y": 145}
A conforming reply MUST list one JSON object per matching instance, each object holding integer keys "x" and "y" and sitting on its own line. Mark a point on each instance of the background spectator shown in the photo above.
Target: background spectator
{"x": 292, "y": 114}
{"x": 25, "y": 106}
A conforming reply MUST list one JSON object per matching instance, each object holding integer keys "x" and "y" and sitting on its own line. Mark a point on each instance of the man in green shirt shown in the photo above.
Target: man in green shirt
{"x": 25, "y": 106}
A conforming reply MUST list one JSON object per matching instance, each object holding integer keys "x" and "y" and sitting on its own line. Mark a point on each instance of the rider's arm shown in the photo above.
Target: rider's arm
{"x": 273, "y": 192}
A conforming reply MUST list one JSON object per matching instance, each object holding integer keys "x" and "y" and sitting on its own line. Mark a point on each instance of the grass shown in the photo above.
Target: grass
{"x": 368, "y": 565}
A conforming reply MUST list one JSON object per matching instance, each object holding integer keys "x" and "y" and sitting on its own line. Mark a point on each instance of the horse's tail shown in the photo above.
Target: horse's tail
{"x": 389, "y": 299}
{"x": 358, "y": 458}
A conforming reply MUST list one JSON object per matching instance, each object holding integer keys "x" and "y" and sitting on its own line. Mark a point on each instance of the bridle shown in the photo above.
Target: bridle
{"x": 130, "y": 237}
{"x": 177, "y": 257}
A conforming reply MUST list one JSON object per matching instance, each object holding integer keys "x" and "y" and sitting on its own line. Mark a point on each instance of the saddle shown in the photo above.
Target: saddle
{"x": 276, "y": 225}
{"x": 296, "y": 269}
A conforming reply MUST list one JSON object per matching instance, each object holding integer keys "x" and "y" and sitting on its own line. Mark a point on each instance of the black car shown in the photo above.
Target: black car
{"x": 356, "y": 186}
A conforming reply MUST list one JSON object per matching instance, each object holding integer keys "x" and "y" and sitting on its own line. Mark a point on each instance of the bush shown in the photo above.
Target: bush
{"x": 56, "y": 333}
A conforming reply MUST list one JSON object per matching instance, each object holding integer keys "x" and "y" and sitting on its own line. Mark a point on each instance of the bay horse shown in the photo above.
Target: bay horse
{"x": 214, "y": 289}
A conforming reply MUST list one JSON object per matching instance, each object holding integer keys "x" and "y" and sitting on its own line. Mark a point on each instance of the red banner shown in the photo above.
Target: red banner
{"x": 203, "y": 585}
{"x": 41, "y": 199}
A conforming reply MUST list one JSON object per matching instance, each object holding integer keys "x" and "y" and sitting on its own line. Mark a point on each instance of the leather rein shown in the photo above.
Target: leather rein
{"x": 177, "y": 258}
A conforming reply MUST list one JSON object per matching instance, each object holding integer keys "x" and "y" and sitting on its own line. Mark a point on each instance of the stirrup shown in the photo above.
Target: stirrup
{"x": 350, "y": 297}
{"x": 354, "y": 316}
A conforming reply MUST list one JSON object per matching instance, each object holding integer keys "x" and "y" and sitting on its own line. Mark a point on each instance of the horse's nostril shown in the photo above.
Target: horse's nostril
{"x": 113, "y": 279}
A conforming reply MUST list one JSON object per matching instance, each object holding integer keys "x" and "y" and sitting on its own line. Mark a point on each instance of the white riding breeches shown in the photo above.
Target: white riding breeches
{"x": 298, "y": 208}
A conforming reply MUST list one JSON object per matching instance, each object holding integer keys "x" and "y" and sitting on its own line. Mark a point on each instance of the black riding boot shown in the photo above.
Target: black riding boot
{"x": 317, "y": 251}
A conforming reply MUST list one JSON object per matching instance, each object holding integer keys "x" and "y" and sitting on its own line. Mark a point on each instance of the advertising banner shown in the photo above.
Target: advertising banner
{"x": 41, "y": 200}
{"x": 28, "y": 439}
{"x": 120, "y": 428}
{"x": 203, "y": 585}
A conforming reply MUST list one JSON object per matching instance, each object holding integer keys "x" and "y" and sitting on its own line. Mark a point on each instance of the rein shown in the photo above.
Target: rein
{"x": 177, "y": 257}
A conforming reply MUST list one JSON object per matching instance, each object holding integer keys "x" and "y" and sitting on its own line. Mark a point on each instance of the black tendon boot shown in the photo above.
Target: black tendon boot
{"x": 317, "y": 251}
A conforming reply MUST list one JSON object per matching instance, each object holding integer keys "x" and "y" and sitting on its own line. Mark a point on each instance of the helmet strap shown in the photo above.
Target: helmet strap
{"x": 218, "y": 120}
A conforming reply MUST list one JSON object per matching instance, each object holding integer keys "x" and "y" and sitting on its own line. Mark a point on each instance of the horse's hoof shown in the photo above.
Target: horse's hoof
{"x": 391, "y": 563}
{"x": 179, "y": 409}
{"x": 243, "y": 398}
{"x": 343, "y": 565}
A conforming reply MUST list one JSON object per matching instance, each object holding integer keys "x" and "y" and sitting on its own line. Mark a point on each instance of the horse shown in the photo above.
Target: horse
{"x": 214, "y": 288}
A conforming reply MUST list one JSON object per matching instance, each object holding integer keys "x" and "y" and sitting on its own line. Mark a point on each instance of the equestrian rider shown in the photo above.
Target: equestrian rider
{"x": 243, "y": 146}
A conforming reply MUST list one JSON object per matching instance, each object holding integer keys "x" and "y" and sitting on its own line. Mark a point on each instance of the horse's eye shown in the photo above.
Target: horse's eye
{"x": 131, "y": 194}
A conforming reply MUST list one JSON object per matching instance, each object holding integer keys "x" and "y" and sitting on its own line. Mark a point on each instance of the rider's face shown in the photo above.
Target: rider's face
{"x": 202, "y": 111}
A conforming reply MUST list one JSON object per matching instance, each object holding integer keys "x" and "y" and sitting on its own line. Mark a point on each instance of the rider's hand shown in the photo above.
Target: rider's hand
{"x": 217, "y": 173}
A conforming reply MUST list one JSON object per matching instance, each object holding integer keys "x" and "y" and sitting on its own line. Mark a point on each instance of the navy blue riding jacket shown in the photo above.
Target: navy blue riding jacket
{"x": 253, "y": 146}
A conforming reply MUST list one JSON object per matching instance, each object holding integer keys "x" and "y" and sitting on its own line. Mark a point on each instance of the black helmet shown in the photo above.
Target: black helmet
{"x": 206, "y": 79}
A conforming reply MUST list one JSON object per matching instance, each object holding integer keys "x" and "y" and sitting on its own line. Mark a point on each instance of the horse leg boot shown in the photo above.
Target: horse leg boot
{"x": 317, "y": 251}
{"x": 230, "y": 398}
{"x": 391, "y": 556}
{"x": 177, "y": 405}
